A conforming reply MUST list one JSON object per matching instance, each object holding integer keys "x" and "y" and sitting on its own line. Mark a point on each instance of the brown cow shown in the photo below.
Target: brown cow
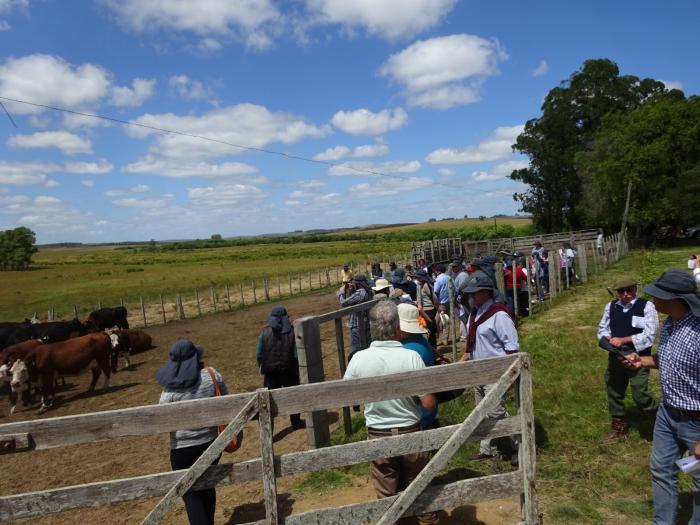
{"x": 72, "y": 357}
{"x": 18, "y": 351}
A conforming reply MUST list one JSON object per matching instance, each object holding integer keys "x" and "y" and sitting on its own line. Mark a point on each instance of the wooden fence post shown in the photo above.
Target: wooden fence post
{"x": 75, "y": 312}
{"x": 300, "y": 288}
{"x": 267, "y": 457}
{"x": 99, "y": 305}
{"x": 240, "y": 286}
{"x": 255, "y": 295}
{"x": 279, "y": 286}
{"x": 180, "y": 308}
{"x": 162, "y": 308}
{"x": 199, "y": 306}
{"x": 228, "y": 296}
{"x": 553, "y": 269}
{"x": 291, "y": 291}
{"x": 308, "y": 338}
{"x": 514, "y": 276}
{"x": 500, "y": 281}
{"x": 143, "y": 311}
{"x": 266, "y": 290}
{"x": 310, "y": 287}
{"x": 121, "y": 301}
{"x": 213, "y": 297}
{"x": 527, "y": 449}
{"x": 340, "y": 345}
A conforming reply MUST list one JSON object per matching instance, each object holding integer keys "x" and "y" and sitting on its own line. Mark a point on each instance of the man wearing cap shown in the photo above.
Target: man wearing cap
{"x": 413, "y": 338}
{"x": 356, "y": 292}
{"x": 632, "y": 322}
{"x": 490, "y": 333}
{"x": 276, "y": 355}
{"x": 400, "y": 281}
{"x": 677, "y": 427}
{"x": 392, "y": 417}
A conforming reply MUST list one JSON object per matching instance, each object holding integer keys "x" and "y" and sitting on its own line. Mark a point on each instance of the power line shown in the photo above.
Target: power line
{"x": 218, "y": 141}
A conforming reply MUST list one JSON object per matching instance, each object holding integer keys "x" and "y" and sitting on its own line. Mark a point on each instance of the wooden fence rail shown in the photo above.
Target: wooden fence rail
{"x": 418, "y": 497}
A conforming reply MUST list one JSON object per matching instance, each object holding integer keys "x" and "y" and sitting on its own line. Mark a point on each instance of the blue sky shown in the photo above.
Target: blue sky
{"x": 409, "y": 107}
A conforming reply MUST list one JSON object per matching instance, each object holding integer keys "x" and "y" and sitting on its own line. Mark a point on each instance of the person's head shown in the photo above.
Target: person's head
{"x": 392, "y": 265}
{"x": 421, "y": 262}
{"x": 384, "y": 322}
{"x": 399, "y": 276}
{"x": 675, "y": 293}
{"x": 626, "y": 289}
{"x": 479, "y": 287}
{"x": 278, "y": 319}
{"x": 360, "y": 281}
{"x": 382, "y": 286}
{"x": 408, "y": 321}
{"x": 185, "y": 360}
{"x": 456, "y": 266}
{"x": 538, "y": 244}
{"x": 346, "y": 267}
{"x": 439, "y": 268}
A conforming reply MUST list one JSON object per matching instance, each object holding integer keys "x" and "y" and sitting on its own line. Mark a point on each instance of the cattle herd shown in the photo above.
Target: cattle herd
{"x": 33, "y": 356}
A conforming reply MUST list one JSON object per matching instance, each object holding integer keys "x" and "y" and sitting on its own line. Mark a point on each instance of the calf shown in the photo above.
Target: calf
{"x": 127, "y": 342}
{"x": 72, "y": 357}
{"x": 107, "y": 318}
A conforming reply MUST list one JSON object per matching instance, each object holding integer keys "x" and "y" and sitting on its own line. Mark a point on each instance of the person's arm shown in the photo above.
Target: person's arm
{"x": 258, "y": 350}
{"x": 507, "y": 333}
{"x": 355, "y": 298}
{"x": 222, "y": 386}
{"x": 697, "y": 450}
{"x": 604, "y": 324}
{"x": 651, "y": 328}
{"x": 428, "y": 402}
{"x": 636, "y": 361}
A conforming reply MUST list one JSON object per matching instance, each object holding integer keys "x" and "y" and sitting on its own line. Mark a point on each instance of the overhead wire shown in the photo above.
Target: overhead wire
{"x": 289, "y": 156}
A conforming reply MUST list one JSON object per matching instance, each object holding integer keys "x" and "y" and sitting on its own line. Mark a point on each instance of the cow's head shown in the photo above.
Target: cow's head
{"x": 120, "y": 346}
{"x": 20, "y": 376}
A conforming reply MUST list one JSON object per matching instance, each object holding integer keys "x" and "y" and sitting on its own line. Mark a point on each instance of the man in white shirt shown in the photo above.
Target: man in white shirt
{"x": 386, "y": 355}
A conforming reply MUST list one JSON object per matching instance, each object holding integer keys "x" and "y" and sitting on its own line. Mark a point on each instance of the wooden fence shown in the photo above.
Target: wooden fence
{"x": 551, "y": 241}
{"x": 418, "y": 497}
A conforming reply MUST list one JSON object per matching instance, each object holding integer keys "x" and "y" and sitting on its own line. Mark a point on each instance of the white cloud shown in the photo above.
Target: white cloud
{"x": 73, "y": 121}
{"x": 6, "y": 6}
{"x": 50, "y": 80}
{"x": 330, "y": 154}
{"x": 389, "y": 19}
{"x": 496, "y": 147}
{"x": 374, "y": 169}
{"x": 210, "y": 44}
{"x": 88, "y": 183}
{"x": 50, "y": 183}
{"x": 187, "y": 88}
{"x": 4, "y": 26}
{"x": 155, "y": 202}
{"x": 224, "y": 195}
{"x": 243, "y": 125}
{"x": 499, "y": 171}
{"x": 131, "y": 97}
{"x": 25, "y": 172}
{"x": 140, "y": 188}
{"x": 172, "y": 168}
{"x": 541, "y": 69}
{"x": 385, "y": 188}
{"x": 68, "y": 143}
{"x": 365, "y": 122}
{"x": 247, "y": 20}
{"x": 310, "y": 184}
{"x": 114, "y": 193}
{"x": 446, "y": 172}
{"x": 672, "y": 84}
{"x": 446, "y": 71}
{"x": 377, "y": 149}
{"x": 88, "y": 168}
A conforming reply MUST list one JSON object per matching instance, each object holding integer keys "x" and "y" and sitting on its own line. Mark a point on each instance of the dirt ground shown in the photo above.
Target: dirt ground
{"x": 229, "y": 340}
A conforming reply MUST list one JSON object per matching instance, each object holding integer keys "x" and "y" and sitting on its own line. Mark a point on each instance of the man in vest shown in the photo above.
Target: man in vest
{"x": 490, "y": 333}
{"x": 277, "y": 355}
{"x": 630, "y": 323}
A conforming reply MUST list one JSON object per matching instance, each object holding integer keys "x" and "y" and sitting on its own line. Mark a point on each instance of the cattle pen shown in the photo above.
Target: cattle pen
{"x": 235, "y": 410}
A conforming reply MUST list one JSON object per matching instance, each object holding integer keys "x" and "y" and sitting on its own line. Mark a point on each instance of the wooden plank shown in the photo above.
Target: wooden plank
{"x": 337, "y": 314}
{"x": 516, "y": 288}
{"x": 14, "y": 442}
{"x": 527, "y": 449}
{"x": 459, "y": 493}
{"x": 440, "y": 459}
{"x": 203, "y": 462}
{"x": 101, "y": 493}
{"x": 340, "y": 346}
{"x": 267, "y": 457}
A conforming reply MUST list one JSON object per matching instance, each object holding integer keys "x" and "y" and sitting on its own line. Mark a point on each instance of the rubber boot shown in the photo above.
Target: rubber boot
{"x": 618, "y": 428}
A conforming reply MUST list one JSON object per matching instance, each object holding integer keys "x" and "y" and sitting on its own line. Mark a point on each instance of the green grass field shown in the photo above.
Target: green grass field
{"x": 582, "y": 479}
{"x": 83, "y": 276}
{"x": 449, "y": 224}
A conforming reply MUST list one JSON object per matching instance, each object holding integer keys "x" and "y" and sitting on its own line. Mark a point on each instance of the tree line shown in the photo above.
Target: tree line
{"x": 601, "y": 133}
{"x": 16, "y": 248}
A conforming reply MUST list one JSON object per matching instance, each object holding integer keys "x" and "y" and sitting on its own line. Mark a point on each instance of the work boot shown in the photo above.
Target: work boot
{"x": 618, "y": 428}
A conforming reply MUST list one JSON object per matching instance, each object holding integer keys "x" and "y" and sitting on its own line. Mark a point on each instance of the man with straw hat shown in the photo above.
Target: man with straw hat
{"x": 628, "y": 322}
{"x": 677, "y": 427}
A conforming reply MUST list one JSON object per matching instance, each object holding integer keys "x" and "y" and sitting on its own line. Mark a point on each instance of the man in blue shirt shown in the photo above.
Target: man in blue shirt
{"x": 440, "y": 288}
{"x": 677, "y": 427}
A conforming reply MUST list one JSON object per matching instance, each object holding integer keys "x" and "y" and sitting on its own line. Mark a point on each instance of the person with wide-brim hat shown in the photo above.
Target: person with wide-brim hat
{"x": 490, "y": 333}
{"x": 184, "y": 377}
{"x": 677, "y": 427}
{"x": 628, "y": 322}
{"x": 381, "y": 287}
{"x": 399, "y": 280}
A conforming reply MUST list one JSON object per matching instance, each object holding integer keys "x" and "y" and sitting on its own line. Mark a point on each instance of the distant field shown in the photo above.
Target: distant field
{"x": 451, "y": 224}
{"x": 63, "y": 277}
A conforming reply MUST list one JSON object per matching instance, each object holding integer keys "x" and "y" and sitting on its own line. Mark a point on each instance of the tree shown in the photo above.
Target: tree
{"x": 656, "y": 148}
{"x": 571, "y": 114}
{"x": 16, "y": 248}
{"x": 216, "y": 237}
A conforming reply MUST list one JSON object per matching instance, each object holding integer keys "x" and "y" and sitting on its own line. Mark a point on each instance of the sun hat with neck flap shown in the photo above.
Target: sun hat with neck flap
{"x": 182, "y": 369}
{"x": 676, "y": 284}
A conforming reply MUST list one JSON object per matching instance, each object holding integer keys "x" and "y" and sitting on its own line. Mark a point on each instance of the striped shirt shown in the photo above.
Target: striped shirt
{"x": 203, "y": 389}
{"x": 679, "y": 362}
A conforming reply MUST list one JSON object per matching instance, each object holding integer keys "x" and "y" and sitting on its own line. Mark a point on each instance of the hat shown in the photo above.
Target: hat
{"x": 346, "y": 265}
{"x": 423, "y": 276}
{"x": 182, "y": 369}
{"x": 380, "y": 284}
{"x": 478, "y": 281}
{"x": 624, "y": 282}
{"x": 278, "y": 319}
{"x": 456, "y": 262}
{"x": 361, "y": 279}
{"x": 676, "y": 284}
{"x": 399, "y": 276}
{"x": 408, "y": 319}
{"x": 439, "y": 268}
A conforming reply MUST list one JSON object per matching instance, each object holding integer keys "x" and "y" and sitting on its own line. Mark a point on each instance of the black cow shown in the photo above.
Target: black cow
{"x": 51, "y": 332}
{"x": 107, "y": 318}
{"x": 6, "y": 330}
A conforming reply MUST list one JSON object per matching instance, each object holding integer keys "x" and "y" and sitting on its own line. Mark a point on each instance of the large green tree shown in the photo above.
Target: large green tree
{"x": 656, "y": 149}
{"x": 571, "y": 114}
{"x": 16, "y": 248}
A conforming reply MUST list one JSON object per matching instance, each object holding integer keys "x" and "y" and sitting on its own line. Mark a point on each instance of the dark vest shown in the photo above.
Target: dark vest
{"x": 621, "y": 322}
{"x": 277, "y": 352}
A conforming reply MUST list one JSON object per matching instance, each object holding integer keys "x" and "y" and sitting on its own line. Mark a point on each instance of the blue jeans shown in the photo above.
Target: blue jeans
{"x": 673, "y": 435}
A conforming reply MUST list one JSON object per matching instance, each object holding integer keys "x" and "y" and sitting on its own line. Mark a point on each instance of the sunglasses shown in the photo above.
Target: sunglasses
{"x": 628, "y": 289}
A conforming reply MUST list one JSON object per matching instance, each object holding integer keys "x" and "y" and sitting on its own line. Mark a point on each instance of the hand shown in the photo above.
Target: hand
{"x": 632, "y": 361}
{"x": 465, "y": 357}
{"x": 616, "y": 341}
{"x": 697, "y": 450}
